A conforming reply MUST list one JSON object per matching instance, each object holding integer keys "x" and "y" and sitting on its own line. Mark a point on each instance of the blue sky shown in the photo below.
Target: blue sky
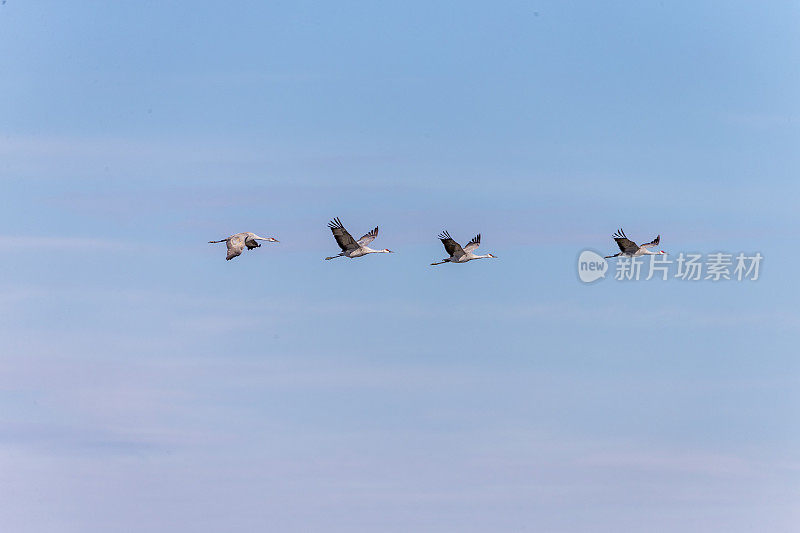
{"x": 147, "y": 383}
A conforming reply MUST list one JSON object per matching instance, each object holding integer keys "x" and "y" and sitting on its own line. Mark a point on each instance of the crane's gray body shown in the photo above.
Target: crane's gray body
{"x": 628, "y": 248}
{"x": 459, "y": 254}
{"x": 237, "y": 243}
{"x": 350, "y": 247}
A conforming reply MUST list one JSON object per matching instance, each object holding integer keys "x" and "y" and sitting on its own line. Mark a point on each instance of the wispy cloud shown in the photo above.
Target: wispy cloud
{"x": 760, "y": 120}
{"x": 14, "y": 244}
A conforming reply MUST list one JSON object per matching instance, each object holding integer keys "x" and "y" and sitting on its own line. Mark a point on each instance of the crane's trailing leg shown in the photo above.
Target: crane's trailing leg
{"x": 334, "y": 257}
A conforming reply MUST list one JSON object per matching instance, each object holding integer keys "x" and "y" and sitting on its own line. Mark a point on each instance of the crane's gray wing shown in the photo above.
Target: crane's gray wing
{"x": 368, "y": 238}
{"x": 235, "y": 246}
{"x": 473, "y": 244}
{"x": 652, "y": 243}
{"x": 343, "y": 238}
{"x": 625, "y": 244}
{"x": 250, "y": 241}
{"x": 451, "y": 246}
